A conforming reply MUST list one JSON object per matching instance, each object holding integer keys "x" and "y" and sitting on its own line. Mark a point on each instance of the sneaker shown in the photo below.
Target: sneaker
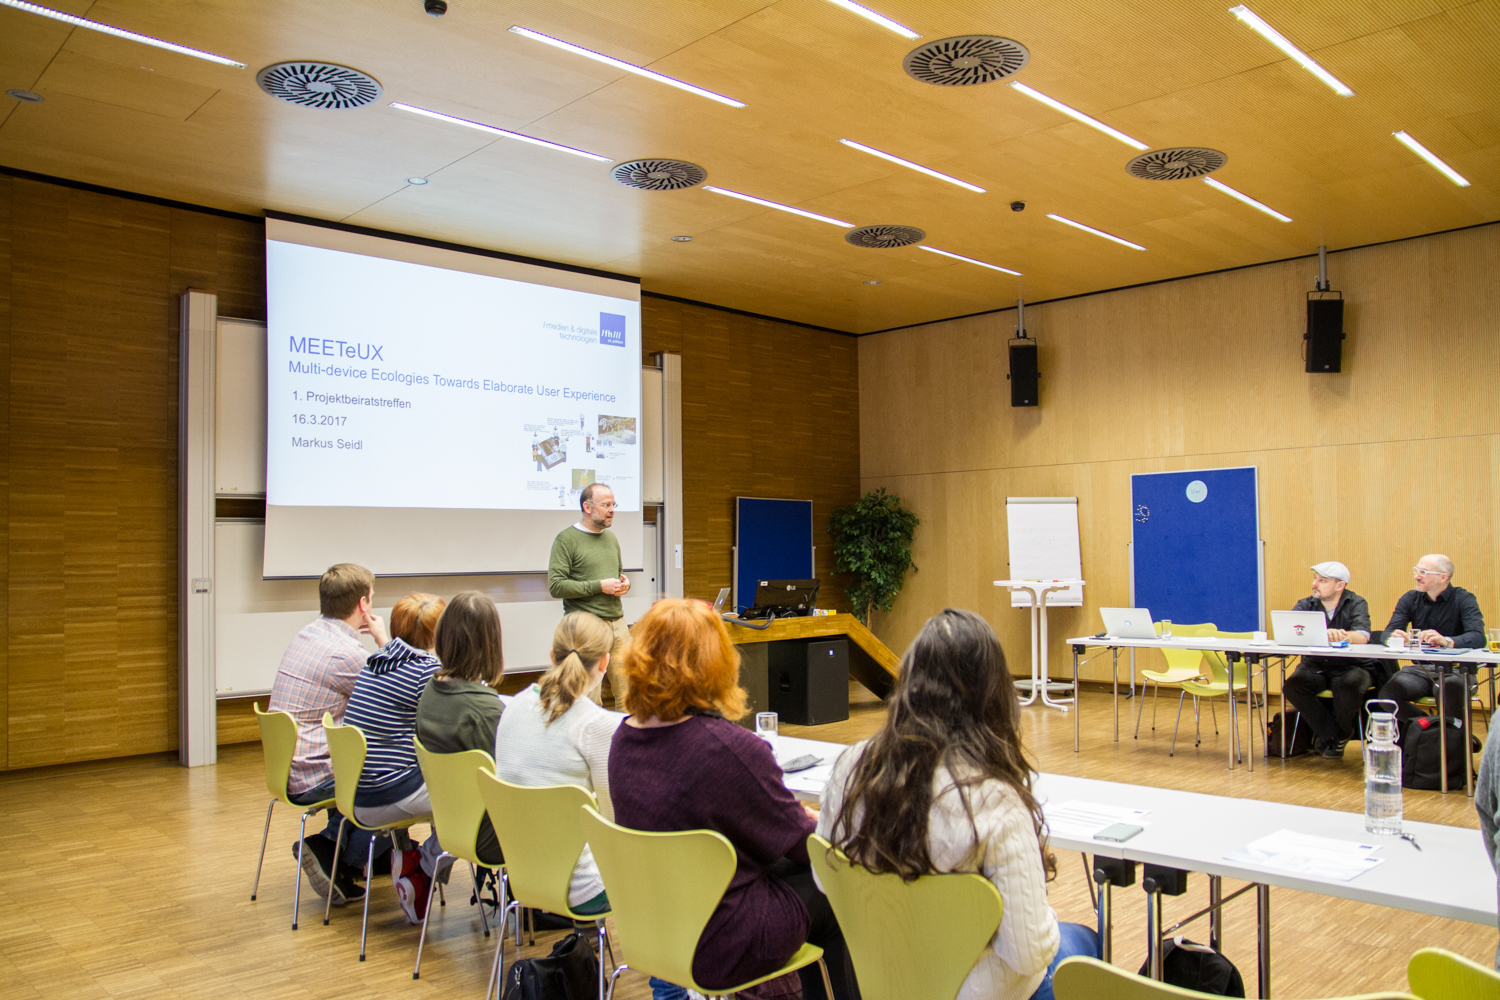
{"x": 1320, "y": 746}
{"x": 404, "y": 863}
{"x": 1334, "y": 749}
{"x": 345, "y": 889}
{"x": 411, "y": 890}
{"x": 317, "y": 861}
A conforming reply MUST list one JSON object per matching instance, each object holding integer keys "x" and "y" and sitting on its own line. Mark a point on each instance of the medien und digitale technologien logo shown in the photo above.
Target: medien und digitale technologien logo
{"x": 612, "y": 329}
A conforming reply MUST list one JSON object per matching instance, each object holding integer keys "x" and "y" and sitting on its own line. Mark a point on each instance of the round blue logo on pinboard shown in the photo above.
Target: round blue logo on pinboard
{"x": 1197, "y": 491}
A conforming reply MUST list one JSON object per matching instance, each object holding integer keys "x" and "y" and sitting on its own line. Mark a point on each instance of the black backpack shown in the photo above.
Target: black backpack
{"x": 571, "y": 972}
{"x": 1299, "y": 738}
{"x": 1197, "y": 967}
{"x": 1421, "y": 763}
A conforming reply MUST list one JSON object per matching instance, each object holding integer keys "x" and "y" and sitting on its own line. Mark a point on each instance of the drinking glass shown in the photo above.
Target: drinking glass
{"x": 765, "y": 728}
{"x": 1494, "y": 643}
{"x": 1413, "y": 637}
{"x": 1166, "y": 628}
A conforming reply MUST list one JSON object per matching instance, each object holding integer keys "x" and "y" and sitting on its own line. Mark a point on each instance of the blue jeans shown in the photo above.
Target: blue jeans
{"x": 663, "y": 990}
{"x": 356, "y": 849}
{"x": 1073, "y": 939}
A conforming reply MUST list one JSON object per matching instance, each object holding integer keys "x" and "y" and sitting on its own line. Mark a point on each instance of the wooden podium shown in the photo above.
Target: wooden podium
{"x": 870, "y": 662}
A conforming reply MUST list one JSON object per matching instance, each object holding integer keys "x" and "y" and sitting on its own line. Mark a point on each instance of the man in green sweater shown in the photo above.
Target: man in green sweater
{"x": 585, "y": 571}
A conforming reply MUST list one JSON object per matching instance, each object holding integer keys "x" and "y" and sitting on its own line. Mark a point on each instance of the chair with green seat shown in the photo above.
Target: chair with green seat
{"x": 1435, "y": 974}
{"x": 907, "y": 939}
{"x": 457, "y": 811}
{"x": 1084, "y": 978}
{"x": 663, "y": 888}
{"x": 1182, "y": 665}
{"x": 278, "y": 742}
{"x": 1215, "y": 685}
{"x": 347, "y": 749}
{"x": 543, "y": 839}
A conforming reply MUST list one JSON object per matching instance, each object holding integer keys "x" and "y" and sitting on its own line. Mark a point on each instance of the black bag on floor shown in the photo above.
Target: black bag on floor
{"x": 1299, "y": 739}
{"x": 1197, "y": 967}
{"x": 571, "y": 972}
{"x": 1421, "y": 763}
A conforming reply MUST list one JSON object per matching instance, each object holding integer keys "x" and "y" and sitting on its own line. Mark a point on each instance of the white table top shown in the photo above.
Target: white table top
{"x": 1367, "y": 651}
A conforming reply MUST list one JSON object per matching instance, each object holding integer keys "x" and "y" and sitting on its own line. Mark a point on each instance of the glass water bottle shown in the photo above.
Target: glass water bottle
{"x": 1382, "y": 772}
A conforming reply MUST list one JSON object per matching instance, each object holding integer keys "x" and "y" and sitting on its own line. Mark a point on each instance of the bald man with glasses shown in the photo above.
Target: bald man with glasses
{"x": 1443, "y": 616}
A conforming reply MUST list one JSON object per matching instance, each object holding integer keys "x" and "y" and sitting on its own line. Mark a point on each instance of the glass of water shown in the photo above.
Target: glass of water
{"x": 1413, "y": 637}
{"x": 1166, "y": 628}
{"x": 765, "y": 728}
{"x": 1494, "y": 644}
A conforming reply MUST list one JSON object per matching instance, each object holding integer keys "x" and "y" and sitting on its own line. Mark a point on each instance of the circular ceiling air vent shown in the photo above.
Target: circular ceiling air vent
{"x": 659, "y": 175}
{"x": 884, "y": 237}
{"x": 319, "y": 85}
{"x": 1177, "y": 164}
{"x": 965, "y": 60}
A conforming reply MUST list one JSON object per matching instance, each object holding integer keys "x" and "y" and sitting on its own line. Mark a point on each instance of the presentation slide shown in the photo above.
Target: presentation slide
{"x": 397, "y": 386}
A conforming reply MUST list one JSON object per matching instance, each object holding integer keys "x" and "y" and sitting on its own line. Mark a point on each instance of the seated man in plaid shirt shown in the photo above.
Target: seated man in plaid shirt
{"x": 317, "y": 675}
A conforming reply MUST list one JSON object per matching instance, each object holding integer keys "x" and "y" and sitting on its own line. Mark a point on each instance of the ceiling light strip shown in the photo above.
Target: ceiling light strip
{"x": 1279, "y": 40}
{"x": 1217, "y": 186}
{"x": 109, "y": 29}
{"x": 1431, "y": 157}
{"x": 778, "y": 206}
{"x": 492, "y": 130}
{"x": 1056, "y": 105}
{"x": 971, "y": 260}
{"x": 879, "y": 19}
{"x": 1096, "y": 232}
{"x": 911, "y": 166}
{"x": 622, "y": 64}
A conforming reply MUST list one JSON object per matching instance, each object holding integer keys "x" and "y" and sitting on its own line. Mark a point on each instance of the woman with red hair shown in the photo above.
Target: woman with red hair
{"x": 680, "y": 763}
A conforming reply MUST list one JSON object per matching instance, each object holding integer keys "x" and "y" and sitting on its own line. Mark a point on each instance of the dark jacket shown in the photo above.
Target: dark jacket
{"x": 1455, "y": 614}
{"x": 454, "y": 716}
{"x": 1351, "y": 615}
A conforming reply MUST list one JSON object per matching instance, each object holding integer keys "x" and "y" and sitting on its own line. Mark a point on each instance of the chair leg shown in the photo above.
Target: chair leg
{"x": 297, "y": 887}
{"x": 827, "y": 984}
{"x": 483, "y": 921}
{"x": 1154, "y": 701}
{"x": 1215, "y": 713}
{"x": 1179, "y": 722}
{"x": 337, "y": 846}
{"x": 1197, "y": 723}
{"x": 603, "y": 937}
{"x": 416, "y": 972}
{"x": 364, "y": 927}
{"x": 497, "y": 967}
{"x": 1138, "y": 707}
{"x": 619, "y": 969}
{"x": 256, "y": 887}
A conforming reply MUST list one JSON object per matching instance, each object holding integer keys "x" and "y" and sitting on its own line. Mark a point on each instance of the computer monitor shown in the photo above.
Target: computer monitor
{"x": 783, "y": 598}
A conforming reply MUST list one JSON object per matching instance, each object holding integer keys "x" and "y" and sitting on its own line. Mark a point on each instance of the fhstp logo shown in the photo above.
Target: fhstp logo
{"x": 612, "y": 329}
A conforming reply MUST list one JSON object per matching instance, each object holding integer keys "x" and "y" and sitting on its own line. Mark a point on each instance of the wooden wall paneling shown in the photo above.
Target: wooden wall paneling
{"x": 7, "y": 211}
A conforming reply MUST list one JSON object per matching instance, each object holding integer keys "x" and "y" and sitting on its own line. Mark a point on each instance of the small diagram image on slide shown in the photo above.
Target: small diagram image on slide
{"x": 617, "y": 430}
{"x": 582, "y": 478}
{"x": 549, "y": 452}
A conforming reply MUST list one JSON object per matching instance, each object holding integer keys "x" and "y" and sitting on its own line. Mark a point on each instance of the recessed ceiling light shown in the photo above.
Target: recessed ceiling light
{"x": 1431, "y": 157}
{"x": 1056, "y": 105}
{"x": 971, "y": 260}
{"x": 492, "y": 130}
{"x": 910, "y": 165}
{"x": 682, "y": 239}
{"x": 109, "y": 29}
{"x": 1216, "y": 185}
{"x": 872, "y": 282}
{"x": 417, "y": 181}
{"x": 1096, "y": 232}
{"x": 780, "y": 207}
{"x": 1279, "y": 40}
{"x": 622, "y": 64}
{"x": 26, "y": 96}
{"x": 879, "y": 19}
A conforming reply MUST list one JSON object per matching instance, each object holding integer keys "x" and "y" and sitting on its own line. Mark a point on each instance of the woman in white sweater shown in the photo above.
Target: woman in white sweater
{"x": 553, "y": 734}
{"x": 945, "y": 787}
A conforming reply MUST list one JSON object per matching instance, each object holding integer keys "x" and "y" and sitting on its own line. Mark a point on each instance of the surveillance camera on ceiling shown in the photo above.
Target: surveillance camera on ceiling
{"x": 1018, "y": 206}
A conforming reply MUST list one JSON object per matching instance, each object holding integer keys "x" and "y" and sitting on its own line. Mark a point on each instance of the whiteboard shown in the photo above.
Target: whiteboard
{"x": 240, "y": 409}
{"x": 1044, "y": 545}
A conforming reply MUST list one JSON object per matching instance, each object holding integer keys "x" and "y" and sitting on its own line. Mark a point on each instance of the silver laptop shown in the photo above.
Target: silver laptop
{"x": 1128, "y": 623}
{"x": 1299, "y": 628}
{"x": 719, "y": 601}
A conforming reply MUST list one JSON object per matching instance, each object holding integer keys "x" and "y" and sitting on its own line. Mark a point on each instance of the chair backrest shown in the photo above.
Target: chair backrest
{"x": 1436, "y": 974}
{"x": 456, "y": 805}
{"x": 1218, "y": 663}
{"x": 542, "y": 835}
{"x": 1185, "y": 658}
{"x": 1082, "y": 978}
{"x": 907, "y": 939}
{"x": 662, "y": 888}
{"x": 347, "y": 749}
{"x": 278, "y": 742}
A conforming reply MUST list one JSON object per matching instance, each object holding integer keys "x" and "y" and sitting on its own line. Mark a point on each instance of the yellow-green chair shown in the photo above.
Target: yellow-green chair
{"x": 1084, "y": 978}
{"x": 543, "y": 840}
{"x": 1182, "y": 665}
{"x": 662, "y": 888}
{"x": 907, "y": 939}
{"x": 457, "y": 811}
{"x": 347, "y": 749}
{"x": 278, "y": 743}
{"x": 1215, "y": 685}
{"x": 1435, "y": 974}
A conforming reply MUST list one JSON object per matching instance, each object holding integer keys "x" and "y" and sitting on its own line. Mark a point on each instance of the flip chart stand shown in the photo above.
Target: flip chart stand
{"x": 1040, "y": 681}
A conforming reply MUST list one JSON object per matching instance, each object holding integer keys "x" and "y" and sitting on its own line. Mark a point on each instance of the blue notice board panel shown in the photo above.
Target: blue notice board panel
{"x": 773, "y": 541}
{"x": 1195, "y": 555}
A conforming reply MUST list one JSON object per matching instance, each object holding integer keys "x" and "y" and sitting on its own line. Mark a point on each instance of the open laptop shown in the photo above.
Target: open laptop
{"x": 719, "y": 601}
{"x": 1128, "y": 623}
{"x": 1299, "y": 628}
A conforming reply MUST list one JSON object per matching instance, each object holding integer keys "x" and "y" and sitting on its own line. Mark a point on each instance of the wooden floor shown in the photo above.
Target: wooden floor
{"x": 131, "y": 878}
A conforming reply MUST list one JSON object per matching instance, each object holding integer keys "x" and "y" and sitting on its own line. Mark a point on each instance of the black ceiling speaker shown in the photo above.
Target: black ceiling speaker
{"x": 1024, "y": 377}
{"x": 1323, "y": 341}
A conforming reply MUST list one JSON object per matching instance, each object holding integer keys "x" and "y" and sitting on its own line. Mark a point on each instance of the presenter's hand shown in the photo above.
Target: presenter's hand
{"x": 611, "y": 586}
{"x": 624, "y": 585}
{"x": 374, "y": 627}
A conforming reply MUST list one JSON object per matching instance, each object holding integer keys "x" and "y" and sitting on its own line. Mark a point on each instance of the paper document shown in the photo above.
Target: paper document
{"x": 1084, "y": 819}
{"x": 810, "y": 781}
{"x": 1305, "y": 854}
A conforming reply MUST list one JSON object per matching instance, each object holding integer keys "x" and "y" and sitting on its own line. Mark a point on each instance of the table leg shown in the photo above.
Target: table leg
{"x": 1032, "y": 696}
{"x": 1263, "y": 929}
{"x": 1114, "y": 676}
{"x": 1105, "y": 921}
{"x": 1046, "y": 671}
{"x": 1283, "y": 708}
{"x": 1442, "y": 672}
{"x": 1215, "y": 917}
{"x": 1468, "y": 728}
{"x": 1153, "y": 935}
{"x": 1245, "y": 747}
{"x": 1075, "y": 694}
{"x": 1234, "y": 717}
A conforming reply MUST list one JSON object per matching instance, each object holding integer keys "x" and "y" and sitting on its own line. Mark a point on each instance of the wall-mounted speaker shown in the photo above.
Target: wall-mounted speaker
{"x": 1024, "y": 377}
{"x": 1324, "y": 339}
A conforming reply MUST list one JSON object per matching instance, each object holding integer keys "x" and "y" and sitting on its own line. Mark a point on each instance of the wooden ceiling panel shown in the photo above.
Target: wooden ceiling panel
{"x": 139, "y": 88}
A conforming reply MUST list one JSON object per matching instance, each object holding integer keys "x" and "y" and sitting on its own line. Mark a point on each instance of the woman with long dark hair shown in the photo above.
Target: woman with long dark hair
{"x": 945, "y": 786}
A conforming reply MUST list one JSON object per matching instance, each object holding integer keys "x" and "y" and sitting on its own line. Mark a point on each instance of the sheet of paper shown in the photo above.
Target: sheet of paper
{"x": 1305, "y": 854}
{"x": 1084, "y": 819}
{"x": 811, "y": 780}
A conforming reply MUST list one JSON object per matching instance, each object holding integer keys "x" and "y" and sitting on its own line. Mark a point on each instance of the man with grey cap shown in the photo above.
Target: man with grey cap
{"x": 1349, "y": 679}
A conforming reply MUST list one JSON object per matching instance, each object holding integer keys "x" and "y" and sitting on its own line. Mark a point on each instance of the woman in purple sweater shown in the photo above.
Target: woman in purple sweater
{"x": 679, "y": 763}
